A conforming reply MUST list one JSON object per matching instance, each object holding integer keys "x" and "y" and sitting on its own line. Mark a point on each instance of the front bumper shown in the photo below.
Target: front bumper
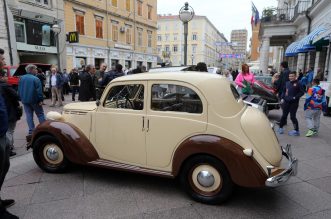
{"x": 283, "y": 176}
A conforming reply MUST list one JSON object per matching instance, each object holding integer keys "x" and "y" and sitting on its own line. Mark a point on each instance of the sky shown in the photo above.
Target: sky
{"x": 226, "y": 15}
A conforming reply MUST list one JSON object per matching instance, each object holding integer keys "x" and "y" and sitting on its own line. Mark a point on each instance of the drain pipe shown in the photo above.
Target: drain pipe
{"x": 8, "y": 32}
{"x": 309, "y": 27}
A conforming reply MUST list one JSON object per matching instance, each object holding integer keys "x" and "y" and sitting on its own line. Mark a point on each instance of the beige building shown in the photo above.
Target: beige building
{"x": 203, "y": 38}
{"x": 239, "y": 42}
{"x": 112, "y": 31}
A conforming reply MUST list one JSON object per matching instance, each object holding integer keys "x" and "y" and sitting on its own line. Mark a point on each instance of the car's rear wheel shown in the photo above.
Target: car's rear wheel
{"x": 206, "y": 179}
{"x": 49, "y": 155}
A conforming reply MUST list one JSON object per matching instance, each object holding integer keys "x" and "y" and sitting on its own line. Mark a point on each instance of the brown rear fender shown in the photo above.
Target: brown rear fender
{"x": 76, "y": 146}
{"x": 244, "y": 171}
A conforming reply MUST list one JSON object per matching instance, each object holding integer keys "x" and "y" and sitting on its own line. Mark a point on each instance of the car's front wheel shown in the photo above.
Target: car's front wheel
{"x": 49, "y": 155}
{"x": 206, "y": 179}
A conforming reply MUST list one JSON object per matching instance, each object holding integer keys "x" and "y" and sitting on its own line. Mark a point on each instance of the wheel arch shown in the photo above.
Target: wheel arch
{"x": 244, "y": 171}
{"x": 76, "y": 146}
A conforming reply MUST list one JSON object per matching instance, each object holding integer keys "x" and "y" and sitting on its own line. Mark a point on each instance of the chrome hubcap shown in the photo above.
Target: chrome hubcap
{"x": 52, "y": 154}
{"x": 205, "y": 178}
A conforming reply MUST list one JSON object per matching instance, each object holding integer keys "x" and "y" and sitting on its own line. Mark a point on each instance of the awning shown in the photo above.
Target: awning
{"x": 323, "y": 39}
{"x": 305, "y": 44}
{"x": 292, "y": 49}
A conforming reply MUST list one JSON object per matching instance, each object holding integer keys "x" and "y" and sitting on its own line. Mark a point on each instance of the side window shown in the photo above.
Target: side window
{"x": 170, "y": 97}
{"x": 129, "y": 96}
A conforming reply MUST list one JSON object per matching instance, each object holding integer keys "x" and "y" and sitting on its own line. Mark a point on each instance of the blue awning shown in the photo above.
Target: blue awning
{"x": 292, "y": 49}
{"x": 306, "y": 43}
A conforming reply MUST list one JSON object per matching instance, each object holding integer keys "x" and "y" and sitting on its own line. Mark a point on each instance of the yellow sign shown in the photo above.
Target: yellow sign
{"x": 73, "y": 37}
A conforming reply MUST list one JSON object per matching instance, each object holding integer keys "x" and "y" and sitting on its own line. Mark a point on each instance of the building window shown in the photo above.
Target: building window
{"x": 128, "y": 35}
{"x": 43, "y": 2}
{"x": 175, "y": 48}
{"x": 140, "y": 8}
{"x": 115, "y": 32}
{"x": 20, "y": 32}
{"x": 150, "y": 8}
{"x": 114, "y": 3}
{"x": 80, "y": 24}
{"x": 159, "y": 38}
{"x": 140, "y": 38}
{"x": 194, "y": 36}
{"x": 167, "y": 48}
{"x": 166, "y": 37}
{"x": 128, "y": 5}
{"x": 149, "y": 39}
{"x": 98, "y": 28}
{"x": 194, "y": 48}
{"x": 159, "y": 48}
{"x": 175, "y": 37}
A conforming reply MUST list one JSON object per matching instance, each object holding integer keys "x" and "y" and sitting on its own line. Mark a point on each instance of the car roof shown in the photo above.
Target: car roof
{"x": 172, "y": 68}
{"x": 185, "y": 76}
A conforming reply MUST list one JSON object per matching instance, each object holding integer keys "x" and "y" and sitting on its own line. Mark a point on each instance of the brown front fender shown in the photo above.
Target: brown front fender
{"x": 76, "y": 146}
{"x": 244, "y": 171}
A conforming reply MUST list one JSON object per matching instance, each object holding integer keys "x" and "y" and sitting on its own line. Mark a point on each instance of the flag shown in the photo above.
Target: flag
{"x": 255, "y": 15}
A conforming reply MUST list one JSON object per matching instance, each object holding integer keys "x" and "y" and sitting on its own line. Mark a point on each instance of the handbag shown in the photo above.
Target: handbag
{"x": 247, "y": 89}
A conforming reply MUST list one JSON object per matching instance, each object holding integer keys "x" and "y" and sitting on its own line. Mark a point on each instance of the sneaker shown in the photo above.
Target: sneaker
{"x": 280, "y": 131}
{"x": 293, "y": 133}
{"x": 7, "y": 203}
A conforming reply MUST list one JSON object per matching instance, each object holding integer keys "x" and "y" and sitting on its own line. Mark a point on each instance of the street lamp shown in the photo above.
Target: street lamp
{"x": 192, "y": 56}
{"x": 186, "y": 14}
{"x": 57, "y": 30}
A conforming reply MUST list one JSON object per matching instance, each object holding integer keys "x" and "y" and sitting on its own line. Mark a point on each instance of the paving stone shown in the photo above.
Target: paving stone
{"x": 48, "y": 191}
{"x": 185, "y": 212}
{"x": 307, "y": 195}
{"x": 323, "y": 164}
{"x": 319, "y": 215}
{"x": 308, "y": 172}
{"x": 323, "y": 184}
{"x": 65, "y": 209}
{"x": 22, "y": 194}
{"x": 30, "y": 177}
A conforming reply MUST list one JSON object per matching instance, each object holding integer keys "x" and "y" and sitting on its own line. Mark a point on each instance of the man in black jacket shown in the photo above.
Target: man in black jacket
{"x": 74, "y": 82}
{"x": 87, "y": 81}
{"x": 283, "y": 78}
{"x": 290, "y": 101}
{"x": 112, "y": 75}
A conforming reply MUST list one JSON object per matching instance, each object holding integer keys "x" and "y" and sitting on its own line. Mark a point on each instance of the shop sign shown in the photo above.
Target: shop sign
{"x": 36, "y": 48}
{"x": 121, "y": 46}
{"x": 73, "y": 37}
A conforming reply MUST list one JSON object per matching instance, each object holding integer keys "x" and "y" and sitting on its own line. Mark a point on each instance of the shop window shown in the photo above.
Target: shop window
{"x": 80, "y": 24}
{"x": 20, "y": 32}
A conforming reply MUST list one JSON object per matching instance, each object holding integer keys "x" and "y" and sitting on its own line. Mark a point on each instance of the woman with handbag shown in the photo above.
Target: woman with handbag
{"x": 245, "y": 80}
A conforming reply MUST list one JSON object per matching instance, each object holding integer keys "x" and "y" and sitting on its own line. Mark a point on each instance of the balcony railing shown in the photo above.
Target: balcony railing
{"x": 287, "y": 14}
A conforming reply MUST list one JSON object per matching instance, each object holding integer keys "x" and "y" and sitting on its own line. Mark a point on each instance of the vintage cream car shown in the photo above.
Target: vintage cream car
{"x": 190, "y": 126}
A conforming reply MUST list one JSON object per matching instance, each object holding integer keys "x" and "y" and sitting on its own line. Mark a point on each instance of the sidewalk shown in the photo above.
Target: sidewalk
{"x": 86, "y": 192}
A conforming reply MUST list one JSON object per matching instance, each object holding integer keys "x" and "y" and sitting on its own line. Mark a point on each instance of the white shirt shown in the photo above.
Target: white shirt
{"x": 53, "y": 80}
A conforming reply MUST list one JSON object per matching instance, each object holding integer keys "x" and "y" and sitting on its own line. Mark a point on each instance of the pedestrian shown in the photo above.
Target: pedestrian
{"x": 4, "y": 147}
{"x": 87, "y": 84}
{"x": 290, "y": 102}
{"x": 65, "y": 86}
{"x": 202, "y": 67}
{"x": 112, "y": 75}
{"x": 14, "y": 110}
{"x": 100, "y": 74}
{"x": 283, "y": 78}
{"x": 42, "y": 77}
{"x": 56, "y": 83}
{"x": 245, "y": 80}
{"x": 30, "y": 92}
{"x": 300, "y": 75}
{"x": 310, "y": 77}
{"x": 74, "y": 82}
{"x": 228, "y": 76}
{"x": 314, "y": 105}
{"x": 319, "y": 75}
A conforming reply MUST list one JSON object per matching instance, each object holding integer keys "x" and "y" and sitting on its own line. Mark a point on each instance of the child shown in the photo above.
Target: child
{"x": 290, "y": 99}
{"x": 314, "y": 104}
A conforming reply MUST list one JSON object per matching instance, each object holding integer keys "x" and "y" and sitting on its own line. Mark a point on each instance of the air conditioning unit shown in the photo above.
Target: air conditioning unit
{"x": 122, "y": 29}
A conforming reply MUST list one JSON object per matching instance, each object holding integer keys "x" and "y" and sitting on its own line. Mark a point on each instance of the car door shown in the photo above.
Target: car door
{"x": 175, "y": 112}
{"x": 119, "y": 132}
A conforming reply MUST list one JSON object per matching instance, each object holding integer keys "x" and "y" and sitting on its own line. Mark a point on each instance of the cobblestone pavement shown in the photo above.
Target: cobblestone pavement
{"x": 86, "y": 192}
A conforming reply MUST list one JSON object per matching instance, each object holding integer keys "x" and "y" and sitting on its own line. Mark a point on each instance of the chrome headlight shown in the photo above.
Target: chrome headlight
{"x": 54, "y": 116}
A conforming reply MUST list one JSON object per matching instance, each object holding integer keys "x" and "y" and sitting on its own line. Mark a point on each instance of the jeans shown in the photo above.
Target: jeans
{"x": 313, "y": 119}
{"x": 4, "y": 158}
{"x": 29, "y": 109}
{"x": 74, "y": 89}
{"x": 10, "y": 134}
{"x": 290, "y": 108}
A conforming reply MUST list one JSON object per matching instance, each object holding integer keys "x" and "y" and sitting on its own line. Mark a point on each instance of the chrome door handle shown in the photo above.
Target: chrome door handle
{"x": 143, "y": 129}
{"x": 147, "y": 125}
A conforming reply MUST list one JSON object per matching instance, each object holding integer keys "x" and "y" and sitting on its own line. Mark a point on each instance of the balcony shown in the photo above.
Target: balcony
{"x": 286, "y": 14}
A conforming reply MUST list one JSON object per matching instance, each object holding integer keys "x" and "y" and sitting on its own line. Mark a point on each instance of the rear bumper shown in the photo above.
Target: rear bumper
{"x": 285, "y": 175}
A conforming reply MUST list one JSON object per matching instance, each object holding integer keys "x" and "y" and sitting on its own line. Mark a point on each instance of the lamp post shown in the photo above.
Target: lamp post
{"x": 57, "y": 30}
{"x": 192, "y": 56}
{"x": 186, "y": 14}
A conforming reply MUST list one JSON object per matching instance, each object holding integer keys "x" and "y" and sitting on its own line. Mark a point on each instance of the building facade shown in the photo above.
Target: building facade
{"x": 111, "y": 32}
{"x": 302, "y": 29}
{"x": 29, "y": 27}
{"x": 204, "y": 41}
{"x": 239, "y": 41}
